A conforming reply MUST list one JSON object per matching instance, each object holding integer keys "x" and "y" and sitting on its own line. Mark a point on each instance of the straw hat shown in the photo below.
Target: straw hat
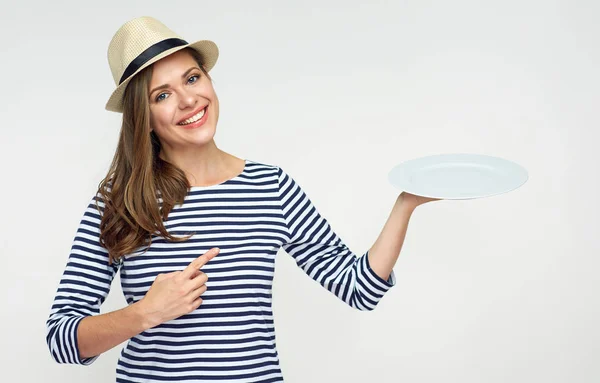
{"x": 141, "y": 42}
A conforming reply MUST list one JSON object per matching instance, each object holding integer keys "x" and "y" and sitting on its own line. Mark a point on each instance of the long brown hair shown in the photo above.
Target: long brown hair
{"x": 137, "y": 177}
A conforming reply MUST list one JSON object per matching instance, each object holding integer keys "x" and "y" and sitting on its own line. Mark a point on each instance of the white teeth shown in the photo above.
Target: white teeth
{"x": 194, "y": 118}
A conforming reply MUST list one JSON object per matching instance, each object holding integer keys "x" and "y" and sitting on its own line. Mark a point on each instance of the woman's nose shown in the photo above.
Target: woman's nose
{"x": 187, "y": 99}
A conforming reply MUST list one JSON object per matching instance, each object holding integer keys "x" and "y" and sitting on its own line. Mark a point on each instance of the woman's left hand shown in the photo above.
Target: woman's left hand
{"x": 411, "y": 201}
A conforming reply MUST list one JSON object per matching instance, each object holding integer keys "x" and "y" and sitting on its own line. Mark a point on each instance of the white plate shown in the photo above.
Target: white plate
{"x": 458, "y": 176}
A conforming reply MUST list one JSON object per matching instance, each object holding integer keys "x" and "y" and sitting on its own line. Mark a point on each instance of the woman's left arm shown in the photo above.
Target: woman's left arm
{"x": 386, "y": 249}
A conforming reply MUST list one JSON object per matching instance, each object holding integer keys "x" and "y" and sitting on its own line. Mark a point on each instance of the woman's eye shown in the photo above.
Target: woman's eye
{"x": 195, "y": 77}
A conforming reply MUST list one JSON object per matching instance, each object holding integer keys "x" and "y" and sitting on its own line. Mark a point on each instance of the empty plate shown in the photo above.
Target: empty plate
{"x": 458, "y": 176}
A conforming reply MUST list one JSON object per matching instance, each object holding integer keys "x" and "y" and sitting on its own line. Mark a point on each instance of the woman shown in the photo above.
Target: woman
{"x": 169, "y": 204}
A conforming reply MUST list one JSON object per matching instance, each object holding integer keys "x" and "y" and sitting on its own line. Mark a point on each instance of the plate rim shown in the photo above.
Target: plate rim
{"x": 520, "y": 180}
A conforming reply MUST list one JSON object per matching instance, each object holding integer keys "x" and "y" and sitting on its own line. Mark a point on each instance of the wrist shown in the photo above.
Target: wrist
{"x": 405, "y": 206}
{"x": 142, "y": 315}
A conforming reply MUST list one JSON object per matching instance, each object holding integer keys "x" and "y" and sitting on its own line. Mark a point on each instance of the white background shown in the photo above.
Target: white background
{"x": 500, "y": 289}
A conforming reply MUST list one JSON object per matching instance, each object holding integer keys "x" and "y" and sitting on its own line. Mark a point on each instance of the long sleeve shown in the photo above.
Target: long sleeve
{"x": 321, "y": 253}
{"x": 84, "y": 285}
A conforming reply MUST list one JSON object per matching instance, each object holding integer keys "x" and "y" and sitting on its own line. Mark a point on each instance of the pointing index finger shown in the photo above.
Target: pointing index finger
{"x": 200, "y": 261}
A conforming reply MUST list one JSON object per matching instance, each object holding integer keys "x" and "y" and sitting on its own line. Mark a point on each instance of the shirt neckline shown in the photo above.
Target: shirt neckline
{"x": 195, "y": 188}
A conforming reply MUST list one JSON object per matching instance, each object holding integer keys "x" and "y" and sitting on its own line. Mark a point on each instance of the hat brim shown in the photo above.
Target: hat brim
{"x": 207, "y": 49}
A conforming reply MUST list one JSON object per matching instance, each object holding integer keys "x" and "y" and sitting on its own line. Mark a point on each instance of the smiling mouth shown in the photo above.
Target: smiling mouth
{"x": 194, "y": 118}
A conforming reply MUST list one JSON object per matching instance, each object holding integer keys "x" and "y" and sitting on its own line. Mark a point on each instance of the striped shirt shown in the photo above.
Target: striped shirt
{"x": 230, "y": 337}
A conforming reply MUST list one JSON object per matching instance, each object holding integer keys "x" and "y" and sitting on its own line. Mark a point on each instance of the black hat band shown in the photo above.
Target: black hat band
{"x": 149, "y": 53}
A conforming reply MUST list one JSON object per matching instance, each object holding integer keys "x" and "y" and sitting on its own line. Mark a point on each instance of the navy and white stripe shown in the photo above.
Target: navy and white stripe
{"x": 231, "y": 337}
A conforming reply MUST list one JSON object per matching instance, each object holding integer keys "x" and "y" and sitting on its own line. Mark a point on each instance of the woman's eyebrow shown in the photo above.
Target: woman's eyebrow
{"x": 164, "y": 86}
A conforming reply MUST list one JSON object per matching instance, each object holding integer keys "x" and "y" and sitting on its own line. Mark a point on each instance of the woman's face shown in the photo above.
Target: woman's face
{"x": 187, "y": 94}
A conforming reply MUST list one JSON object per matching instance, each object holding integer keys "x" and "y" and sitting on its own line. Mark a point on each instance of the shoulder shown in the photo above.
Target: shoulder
{"x": 253, "y": 166}
{"x": 275, "y": 172}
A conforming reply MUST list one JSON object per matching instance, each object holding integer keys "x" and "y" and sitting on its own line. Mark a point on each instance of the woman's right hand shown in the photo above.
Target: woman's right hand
{"x": 177, "y": 293}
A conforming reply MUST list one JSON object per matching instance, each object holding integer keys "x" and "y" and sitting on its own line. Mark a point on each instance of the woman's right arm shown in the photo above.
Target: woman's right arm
{"x": 77, "y": 333}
